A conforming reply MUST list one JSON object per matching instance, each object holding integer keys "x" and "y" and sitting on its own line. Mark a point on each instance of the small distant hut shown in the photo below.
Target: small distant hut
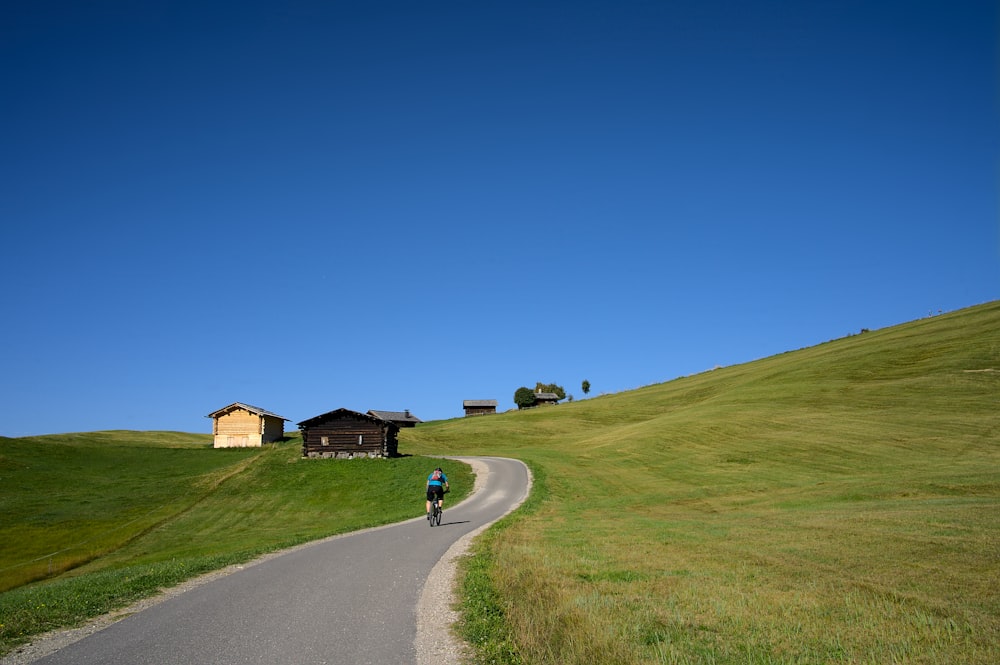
{"x": 400, "y": 418}
{"x": 347, "y": 434}
{"x": 244, "y": 426}
{"x": 545, "y": 398}
{"x": 479, "y": 407}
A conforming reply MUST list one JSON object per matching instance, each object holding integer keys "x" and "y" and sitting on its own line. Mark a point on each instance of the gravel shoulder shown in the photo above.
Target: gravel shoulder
{"x": 437, "y": 641}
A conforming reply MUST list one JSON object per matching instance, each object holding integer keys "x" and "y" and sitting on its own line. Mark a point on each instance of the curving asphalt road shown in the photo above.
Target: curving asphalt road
{"x": 347, "y": 600}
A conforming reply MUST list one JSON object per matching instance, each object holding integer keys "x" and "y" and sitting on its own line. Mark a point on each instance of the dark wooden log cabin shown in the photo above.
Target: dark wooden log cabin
{"x": 545, "y": 398}
{"x": 347, "y": 434}
{"x": 479, "y": 407}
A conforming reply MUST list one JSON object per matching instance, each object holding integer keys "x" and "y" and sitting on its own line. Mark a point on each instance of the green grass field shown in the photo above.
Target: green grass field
{"x": 836, "y": 504}
{"x": 92, "y": 522}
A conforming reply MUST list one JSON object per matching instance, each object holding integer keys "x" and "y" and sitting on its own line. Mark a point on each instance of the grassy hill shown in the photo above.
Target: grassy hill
{"x": 92, "y": 522}
{"x": 839, "y": 503}
{"x": 836, "y": 504}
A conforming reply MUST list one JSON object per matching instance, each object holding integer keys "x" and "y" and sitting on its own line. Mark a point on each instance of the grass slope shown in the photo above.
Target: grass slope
{"x": 68, "y": 499}
{"x": 836, "y": 504}
{"x": 832, "y": 504}
{"x": 92, "y": 522}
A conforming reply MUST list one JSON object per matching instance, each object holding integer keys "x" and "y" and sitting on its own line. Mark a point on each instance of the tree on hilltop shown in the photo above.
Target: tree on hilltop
{"x": 524, "y": 397}
{"x": 550, "y": 388}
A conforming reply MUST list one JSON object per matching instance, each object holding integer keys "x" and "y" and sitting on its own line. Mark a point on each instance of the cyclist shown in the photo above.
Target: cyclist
{"x": 437, "y": 485}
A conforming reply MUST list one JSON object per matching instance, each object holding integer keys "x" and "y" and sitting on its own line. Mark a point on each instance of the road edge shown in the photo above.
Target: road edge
{"x": 437, "y": 641}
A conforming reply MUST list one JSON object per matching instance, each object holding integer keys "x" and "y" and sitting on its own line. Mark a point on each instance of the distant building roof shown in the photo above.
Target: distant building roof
{"x": 479, "y": 402}
{"x": 246, "y": 407}
{"x": 547, "y": 396}
{"x": 396, "y": 416}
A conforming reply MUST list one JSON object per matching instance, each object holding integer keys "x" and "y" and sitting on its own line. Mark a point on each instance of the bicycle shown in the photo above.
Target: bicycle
{"x": 434, "y": 516}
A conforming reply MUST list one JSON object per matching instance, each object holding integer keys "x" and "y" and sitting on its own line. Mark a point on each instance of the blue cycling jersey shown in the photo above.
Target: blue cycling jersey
{"x": 440, "y": 481}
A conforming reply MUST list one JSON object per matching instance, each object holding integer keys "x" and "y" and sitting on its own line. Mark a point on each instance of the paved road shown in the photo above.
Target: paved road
{"x": 347, "y": 600}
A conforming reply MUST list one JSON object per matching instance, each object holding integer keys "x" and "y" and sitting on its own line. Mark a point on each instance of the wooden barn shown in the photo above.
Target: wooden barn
{"x": 545, "y": 398}
{"x": 244, "y": 426}
{"x": 347, "y": 434}
{"x": 479, "y": 407}
{"x": 400, "y": 418}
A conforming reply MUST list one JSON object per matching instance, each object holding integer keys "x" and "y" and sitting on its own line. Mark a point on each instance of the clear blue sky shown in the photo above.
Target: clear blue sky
{"x": 379, "y": 205}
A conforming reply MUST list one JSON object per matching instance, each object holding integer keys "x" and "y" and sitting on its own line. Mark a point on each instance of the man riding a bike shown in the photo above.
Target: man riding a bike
{"x": 437, "y": 485}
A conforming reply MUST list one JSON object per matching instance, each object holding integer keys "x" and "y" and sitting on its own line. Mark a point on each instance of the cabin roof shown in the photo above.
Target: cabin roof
{"x": 345, "y": 413}
{"x": 395, "y": 416}
{"x": 479, "y": 402}
{"x": 246, "y": 407}
{"x": 547, "y": 396}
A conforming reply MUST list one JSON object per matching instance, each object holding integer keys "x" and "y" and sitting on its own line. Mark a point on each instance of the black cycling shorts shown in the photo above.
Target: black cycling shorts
{"x": 435, "y": 492}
